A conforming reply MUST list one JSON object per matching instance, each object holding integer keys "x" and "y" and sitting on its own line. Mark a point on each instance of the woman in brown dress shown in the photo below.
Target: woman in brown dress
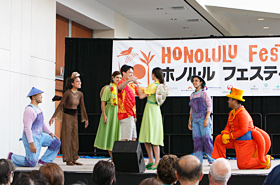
{"x": 67, "y": 113}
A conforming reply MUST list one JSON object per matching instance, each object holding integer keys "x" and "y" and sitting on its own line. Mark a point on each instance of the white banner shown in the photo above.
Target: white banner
{"x": 250, "y": 64}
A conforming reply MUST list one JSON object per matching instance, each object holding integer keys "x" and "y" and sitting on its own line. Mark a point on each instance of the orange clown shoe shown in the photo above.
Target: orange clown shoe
{"x": 236, "y": 94}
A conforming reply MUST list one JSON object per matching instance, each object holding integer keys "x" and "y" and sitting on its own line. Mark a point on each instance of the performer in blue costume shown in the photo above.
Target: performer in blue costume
{"x": 199, "y": 121}
{"x": 33, "y": 137}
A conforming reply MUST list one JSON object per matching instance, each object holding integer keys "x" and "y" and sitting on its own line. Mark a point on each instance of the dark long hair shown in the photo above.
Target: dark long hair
{"x": 103, "y": 173}
{"x": 69, "y": 81}
{"x": 115, "y": 73}
{"x": 159, "y": 74}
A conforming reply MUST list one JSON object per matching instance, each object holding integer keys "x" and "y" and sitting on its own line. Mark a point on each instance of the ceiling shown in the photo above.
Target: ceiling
{"x": 247, "y": 22}
{"x": 178, "y": 18}
{"x": 165, "y": 18}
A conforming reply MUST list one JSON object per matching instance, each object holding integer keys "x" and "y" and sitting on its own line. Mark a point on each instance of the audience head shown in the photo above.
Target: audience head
{"x": 36, "y": 174}
{"x": 150, "y": 181}
{"x": 189, "y": 169}
{"x": 32, "y": 178}
{"x": 166, "y": 169}
{"x": 103, "y": 173}
{"x": 220, "y": 171}
{"x": 7, "y": 169}
{"x": 53, "y": 173}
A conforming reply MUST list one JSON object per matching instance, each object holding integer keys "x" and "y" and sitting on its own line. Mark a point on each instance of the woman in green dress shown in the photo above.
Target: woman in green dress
{"x": 109, "y": 126}
{"x": 151, "y": 131}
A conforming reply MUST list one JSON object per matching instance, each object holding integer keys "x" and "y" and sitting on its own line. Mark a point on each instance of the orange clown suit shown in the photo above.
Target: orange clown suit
{"x": 250, "y": 143}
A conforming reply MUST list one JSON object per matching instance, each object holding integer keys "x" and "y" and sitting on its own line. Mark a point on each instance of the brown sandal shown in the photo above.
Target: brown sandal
{"x": 77, "y": 163}
{"x": 70, "y": 163}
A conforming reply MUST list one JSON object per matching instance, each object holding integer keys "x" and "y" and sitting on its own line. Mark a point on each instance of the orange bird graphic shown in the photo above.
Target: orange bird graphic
{"x": 125, "y": 52}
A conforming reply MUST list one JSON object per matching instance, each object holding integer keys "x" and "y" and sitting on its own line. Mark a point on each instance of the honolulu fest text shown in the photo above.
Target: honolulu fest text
{"x": 222, "y": 53}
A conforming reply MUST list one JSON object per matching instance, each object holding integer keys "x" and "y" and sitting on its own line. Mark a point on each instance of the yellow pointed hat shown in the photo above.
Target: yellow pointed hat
{"x": 236, "y": 94}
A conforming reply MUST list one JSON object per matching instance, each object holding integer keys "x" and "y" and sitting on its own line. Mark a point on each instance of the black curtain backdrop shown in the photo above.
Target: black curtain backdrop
{"x": 92, "y": 58}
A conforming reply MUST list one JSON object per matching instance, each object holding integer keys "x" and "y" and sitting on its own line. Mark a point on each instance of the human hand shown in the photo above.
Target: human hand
{"x": 190, "y": 125}
{"x": 105, "y": 119}
{"x": 86, "y": 123}
{"x": 51, "y": 121}
{"x": 135, "y": 80}
{"x": 135, "y": 120}
{"x": 33, "y": 148}
{"x": 206, "y": 122}
{"x": 131, "y": 79}
{"x": 51, "y": 134}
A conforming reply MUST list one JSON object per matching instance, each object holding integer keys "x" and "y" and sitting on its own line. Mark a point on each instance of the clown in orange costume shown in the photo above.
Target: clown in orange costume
{"x": 250, "y": 143}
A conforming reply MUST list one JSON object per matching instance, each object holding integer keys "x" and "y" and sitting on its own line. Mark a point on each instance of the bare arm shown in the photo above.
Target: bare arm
{"x": 190, "y": 122}
{"x": 122, "y": 85}
{"x": 141, "y": 94}
{"x": 207, "y": 117}
{"x": 103, "y": 105}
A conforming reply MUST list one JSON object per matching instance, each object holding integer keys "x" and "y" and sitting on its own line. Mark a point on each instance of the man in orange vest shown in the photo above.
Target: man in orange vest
{"x": 250, "y": 143}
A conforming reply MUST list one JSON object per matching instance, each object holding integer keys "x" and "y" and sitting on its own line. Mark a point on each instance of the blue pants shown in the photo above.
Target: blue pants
{"x": 31, "y": 159}
{"x": 202, "y": 139}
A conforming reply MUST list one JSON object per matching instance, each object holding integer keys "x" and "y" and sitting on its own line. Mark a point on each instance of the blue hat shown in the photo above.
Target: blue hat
{"x": 34, "y": 91}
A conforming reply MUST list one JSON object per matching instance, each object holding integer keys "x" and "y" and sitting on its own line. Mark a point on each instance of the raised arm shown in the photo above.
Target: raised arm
{"x": 123, "y": 84}
{"x": 141, "y": 94}
{"x": 151, "y": 89}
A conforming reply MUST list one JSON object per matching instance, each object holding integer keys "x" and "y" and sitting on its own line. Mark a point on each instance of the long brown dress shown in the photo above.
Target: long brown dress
{"x": 68, "y": 114}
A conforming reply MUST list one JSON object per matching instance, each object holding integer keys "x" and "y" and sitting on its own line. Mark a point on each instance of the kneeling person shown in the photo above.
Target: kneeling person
{"x": 33, "y": 137}
{"x": 250, "y": 143}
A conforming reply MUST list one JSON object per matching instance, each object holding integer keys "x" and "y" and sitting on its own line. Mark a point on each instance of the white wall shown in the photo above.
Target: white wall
{"x": 27, "y": 58}
{"x": 121, "y": 26}
{"x": 103, "y": 34}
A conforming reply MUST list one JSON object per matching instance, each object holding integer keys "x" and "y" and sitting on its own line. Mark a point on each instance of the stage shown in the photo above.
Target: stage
{"x": 83, "y": 173}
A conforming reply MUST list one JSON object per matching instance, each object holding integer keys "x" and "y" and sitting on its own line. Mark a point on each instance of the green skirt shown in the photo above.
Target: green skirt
{"x": 151, "y": 130}
{"x": 108, "y": 133}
